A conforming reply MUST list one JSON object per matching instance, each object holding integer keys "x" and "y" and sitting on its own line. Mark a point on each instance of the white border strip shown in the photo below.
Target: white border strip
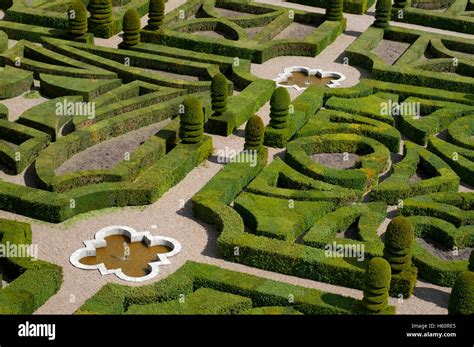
{"x": 134, "y": 236}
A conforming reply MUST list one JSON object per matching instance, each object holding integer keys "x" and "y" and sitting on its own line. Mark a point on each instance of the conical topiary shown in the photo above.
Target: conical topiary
{"x": 383, "y": 9}
{"x": 279, "y": 105}
{"x": 101, "y": 12}
{"x": 131, "y": 28}
{"x": 461, "y": 299}
{"x": 156, "y": 14}
{"x": 254, "y": 130}
{"x": 191, "y": 125}
{"x": 77, "y": 14}
{"x": 376, "y": 285}
{"x": 219, "y": 92}
{"x": 398, "y": 240}
{"x": 334, "y": 10}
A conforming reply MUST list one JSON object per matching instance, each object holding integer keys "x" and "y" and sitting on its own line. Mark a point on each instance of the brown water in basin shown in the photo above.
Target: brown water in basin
{"x": 112, "y": 256}
{"x": 301, "y": 79}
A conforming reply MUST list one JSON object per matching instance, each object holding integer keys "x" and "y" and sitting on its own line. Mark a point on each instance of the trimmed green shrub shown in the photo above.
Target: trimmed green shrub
{"x": 400, "y": 3}
{"x": 399, "y": 237}
{"x": 192, "y": 121}
{"x": 101, "y": 12}
{"x": 334, "y": 10}
{"x": 156, "y": 14}
{"x": 377, "y": 284}
{"x": 471, "y": 262}
{"x": 279, "y": 107}
{"x": 131, "y": 28}
{"x": 461, "y": 300}
{"x": 383, "y": 9}
{"x": 254, "y": 130}
{"x": 219, "y": 93}
{"x": 77, "y": 14}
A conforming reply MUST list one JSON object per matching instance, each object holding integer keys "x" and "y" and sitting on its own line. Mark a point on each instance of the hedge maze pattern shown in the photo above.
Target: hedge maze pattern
{"x": 185, "y": 77}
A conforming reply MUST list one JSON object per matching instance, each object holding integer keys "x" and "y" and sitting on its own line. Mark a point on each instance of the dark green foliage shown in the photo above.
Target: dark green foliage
{"x": 398, "y": 240}
{"x": 192, "y": 121}
{"x": 383, "y": 9}
{"x": 400, "y": 3}
{"x": 101, "y": 12}
{"x": 156, "y": 14}
{"x": 254, "y": 134}
{"x": 334, "y": 10}
{"x": 279, "y": 108}
{"x": 77, "y": 15}
{"x": 471, "y": 262}
{"x": 131, "y": 28}
{"x": 461, "y": 300}
{"x": 377, "y": 283}
{"x": 219, "y": 93}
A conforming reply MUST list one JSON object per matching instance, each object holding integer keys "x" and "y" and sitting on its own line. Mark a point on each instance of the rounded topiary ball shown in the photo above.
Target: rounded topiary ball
{"x": 378, "y": 273}
{"x": 254, "y": 130}
{"x": 461, "y": 300}
{"x": 219, "y": 93}
{"x": 400, "y": 233}
{"x": 77, "y": 14}
{"x": 131, "y": 27}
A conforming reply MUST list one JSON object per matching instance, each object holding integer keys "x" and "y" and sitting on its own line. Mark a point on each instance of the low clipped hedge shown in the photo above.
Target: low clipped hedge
{"x": 461, "y": 131}
{"x": 28, "y": 144}
{"x": 398, "y": 186}
{"x": 197, "y": 280}
{"x": 14, "y": 82}
{"x": 3, "y": 41}
{"x": 280, "y": 180}
{"x": 35, "y": 281}
{"x": 372, "y": 163}
{"x": 357, "y": 7}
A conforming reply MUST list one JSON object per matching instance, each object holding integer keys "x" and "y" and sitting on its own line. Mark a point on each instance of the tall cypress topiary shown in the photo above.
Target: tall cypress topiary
{"x": 219, "y": 93}
{"x": 131, "y": 28}
{"x": 383, "y": 8}
{"x": 461, "y": 299}
{"x": 334, "y": 10}
{"x": 156, "y": 14}
{"x": 101, "y": 12}
{"x": 77, "y": 14}
{"x": 191, "y": 125}
{"x": 398, "y": 240}
{"x": 254, "y": 134}
{"x": 376, "y": 285}
{"x": 279, "y": 104}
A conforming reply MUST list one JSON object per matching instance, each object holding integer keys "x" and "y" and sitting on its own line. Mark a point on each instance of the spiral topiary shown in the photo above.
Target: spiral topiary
{"x": 101, "y": 12}
{"x": 219, "y": 92}
{"x": 156, "y": 14}
{"x": 461, "y": 300}
{"x": 398, "y": 240}
{"x": 191, "y": 125}
{"x": 376, "y": 285}
{"x": 77, "y": 15}
{"x": 334, "y": 10}
{"x": 254, "y": 130}
{"x": 279, "y": 104}
{"x": 383, "y": 8}
{"x": 131, "y": 28}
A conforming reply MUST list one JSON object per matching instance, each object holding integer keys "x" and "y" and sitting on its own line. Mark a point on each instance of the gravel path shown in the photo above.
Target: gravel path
{"x": 389, "y": 51}
{"x": 295, "y": 31}
{"x": 340, "y": 161}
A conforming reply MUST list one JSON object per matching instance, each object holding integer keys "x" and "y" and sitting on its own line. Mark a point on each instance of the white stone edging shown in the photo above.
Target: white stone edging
{"x": 134, "y": 236}
{"x": 283, "y": 77}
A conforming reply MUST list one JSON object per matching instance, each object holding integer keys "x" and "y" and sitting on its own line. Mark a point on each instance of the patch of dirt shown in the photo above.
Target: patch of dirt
{"x": 340, "y": 161}
{"x": 389, "y": 51}
{"x": 107, "y": 154}
{"x": 442, "y": 252}
{"x": 295, "y": 31}
{"x": 224, "y": 12}
{"x": 252, "y": 32}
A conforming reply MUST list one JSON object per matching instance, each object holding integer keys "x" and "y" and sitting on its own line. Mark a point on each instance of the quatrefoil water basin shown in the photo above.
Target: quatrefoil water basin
{"x": 130, "y": 255}
{"x": 301, "y": 77}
